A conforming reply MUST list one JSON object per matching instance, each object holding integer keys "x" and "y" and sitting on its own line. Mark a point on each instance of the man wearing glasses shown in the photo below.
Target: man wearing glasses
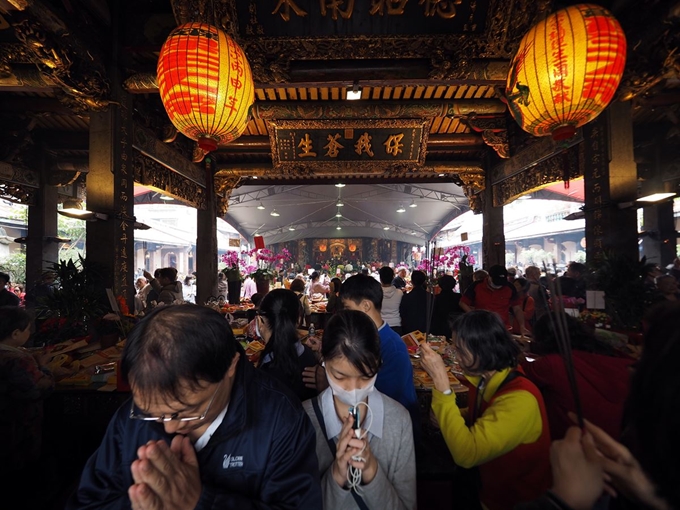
{"x": 204, "y": 429}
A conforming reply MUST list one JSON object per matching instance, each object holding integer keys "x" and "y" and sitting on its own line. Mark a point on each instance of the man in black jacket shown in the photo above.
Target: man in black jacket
{"x": 414, "y": 305}
{"x": 203, "y": 429}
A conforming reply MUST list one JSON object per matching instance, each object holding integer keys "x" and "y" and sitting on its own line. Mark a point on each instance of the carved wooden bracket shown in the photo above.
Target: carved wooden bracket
{"x": 224, "y": 185}
{"x": 494, "y": 132}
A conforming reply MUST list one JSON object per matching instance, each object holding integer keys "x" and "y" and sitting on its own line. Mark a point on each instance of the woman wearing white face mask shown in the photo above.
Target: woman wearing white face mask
{"x": 378, "y": 459}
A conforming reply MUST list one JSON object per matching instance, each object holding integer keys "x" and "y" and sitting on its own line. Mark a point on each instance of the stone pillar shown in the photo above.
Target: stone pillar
{"x": 610, "y": 180}
{"x": 493, "y": 235}
{"x": 42, "y": 224}
{"x": 206, "y": 240}
{"x": 110, "y": 181}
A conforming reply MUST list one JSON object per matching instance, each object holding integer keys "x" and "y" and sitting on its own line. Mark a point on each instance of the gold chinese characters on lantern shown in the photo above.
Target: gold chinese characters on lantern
{"x": 566, "y": 70}
{"x": 205, "y": 84}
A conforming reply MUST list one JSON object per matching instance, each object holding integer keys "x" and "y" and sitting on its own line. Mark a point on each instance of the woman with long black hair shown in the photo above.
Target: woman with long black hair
{"x": 284, "y": 356}
{"x": 364, "y": 439}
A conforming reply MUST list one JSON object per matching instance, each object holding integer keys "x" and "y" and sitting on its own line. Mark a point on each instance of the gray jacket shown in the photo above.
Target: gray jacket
{"x": 394, "y": 485}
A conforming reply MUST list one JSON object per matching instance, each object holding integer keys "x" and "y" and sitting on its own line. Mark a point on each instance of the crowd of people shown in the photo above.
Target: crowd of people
{"x": 335, "y": 423}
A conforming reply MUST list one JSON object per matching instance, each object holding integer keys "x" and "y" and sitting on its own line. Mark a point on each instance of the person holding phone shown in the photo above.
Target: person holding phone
{"x": 364, "y": 439}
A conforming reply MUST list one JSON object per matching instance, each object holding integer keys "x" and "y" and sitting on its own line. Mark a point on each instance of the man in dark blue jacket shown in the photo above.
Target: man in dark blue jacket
{"x": 203, "y": 429}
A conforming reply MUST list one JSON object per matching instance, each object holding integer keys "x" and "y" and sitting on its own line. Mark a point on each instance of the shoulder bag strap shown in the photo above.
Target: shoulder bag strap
{"x": 331, "y": 445}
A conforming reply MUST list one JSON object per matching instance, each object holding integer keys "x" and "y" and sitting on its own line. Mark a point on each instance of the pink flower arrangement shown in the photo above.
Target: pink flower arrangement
{"x": 267, "y": 263}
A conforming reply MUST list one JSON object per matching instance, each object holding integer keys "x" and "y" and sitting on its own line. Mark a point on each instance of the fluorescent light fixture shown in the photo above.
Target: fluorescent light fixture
{"x": 274, "y": 213}
{"x": 525, "y": 197}
{"x": 255, "y": 177}
{"x": 386, "y": 228}
{"x": 401, "y": 209}
{"x": 291, "y": 229}
{"x": 413, "y": 204}
{"x": 441, "y": 175}
{"x": 340, "y": 203}
{"x": 655, "y": 197}
{"x": 261, "y": 207}
{"x": 73, "y": 208}
{"x": 339, "y": 185}
{"x": 354, "y": 93}
{"x": 166, "y": 198}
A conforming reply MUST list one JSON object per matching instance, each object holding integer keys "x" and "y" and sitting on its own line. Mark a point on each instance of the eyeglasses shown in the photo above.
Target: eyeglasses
{"x": 135, "y": 414}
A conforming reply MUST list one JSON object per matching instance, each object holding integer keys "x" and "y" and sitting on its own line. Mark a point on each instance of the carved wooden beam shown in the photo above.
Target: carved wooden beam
{"x": 543, "y": 149}
{"x": 145, "y": 141}
{"x": 153, "y": 174}
{"x": 460, "y": 170}
{"x": 328, "y": 110}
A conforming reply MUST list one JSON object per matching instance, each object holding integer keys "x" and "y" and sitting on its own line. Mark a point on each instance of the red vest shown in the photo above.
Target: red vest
{"x": 522, "y": 474}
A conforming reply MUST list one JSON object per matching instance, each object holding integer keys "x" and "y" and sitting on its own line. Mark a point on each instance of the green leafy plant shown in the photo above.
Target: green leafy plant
{"x": 77, "y": 301}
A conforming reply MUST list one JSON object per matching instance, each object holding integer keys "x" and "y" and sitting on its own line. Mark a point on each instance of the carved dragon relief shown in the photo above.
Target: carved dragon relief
{"x": 84, "y": 84}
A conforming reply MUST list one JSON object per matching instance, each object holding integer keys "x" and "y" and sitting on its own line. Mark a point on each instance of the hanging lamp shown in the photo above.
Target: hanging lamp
{"x": 205, "y": 84}
{"x": 566, "y": 70}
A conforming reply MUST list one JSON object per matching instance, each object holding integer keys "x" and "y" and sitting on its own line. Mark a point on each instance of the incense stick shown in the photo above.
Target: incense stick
{"x": 558, "y": 320}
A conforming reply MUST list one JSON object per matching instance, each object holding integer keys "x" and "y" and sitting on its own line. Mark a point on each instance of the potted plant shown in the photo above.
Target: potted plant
{"x": 234, "y": 276}
{"x": 76, "y": 304}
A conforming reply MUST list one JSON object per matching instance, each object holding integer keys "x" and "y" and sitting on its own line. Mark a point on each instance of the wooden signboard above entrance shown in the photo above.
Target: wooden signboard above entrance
{"x": 335, "y": 142}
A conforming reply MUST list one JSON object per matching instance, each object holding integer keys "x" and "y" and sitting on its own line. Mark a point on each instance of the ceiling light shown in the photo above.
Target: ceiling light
{"x": 401, "y": 208}
{"x": 386, "y": 228}
{"x": 274, "y": 213}
{"x": 413, "y": 204}
{"x": 338, "y": 214}
{"x": 261, "y": 207}
{"x": 338, "y": 227}
{"x": 255, "y": 177}
{"x": 655, "y": 197}
{"x": 354, "y": 93}
{"x": 441, "y": 175}
{"x": 291, "y": 228}
{"x": 166, "y": 198}
{"x": 339, "y": 185}
{"x": 340, "y": 203}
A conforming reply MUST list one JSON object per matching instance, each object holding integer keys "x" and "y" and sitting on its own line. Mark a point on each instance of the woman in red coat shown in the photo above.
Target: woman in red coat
{"x": 602, "y": 379}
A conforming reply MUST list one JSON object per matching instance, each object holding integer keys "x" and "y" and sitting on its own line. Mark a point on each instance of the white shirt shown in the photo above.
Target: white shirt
{"x": 205, "y": 437}
{"x": 333, "y": 423}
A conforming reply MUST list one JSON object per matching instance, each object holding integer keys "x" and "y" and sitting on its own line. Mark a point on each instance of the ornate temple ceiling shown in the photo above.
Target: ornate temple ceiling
{"x": 435, "y": 68}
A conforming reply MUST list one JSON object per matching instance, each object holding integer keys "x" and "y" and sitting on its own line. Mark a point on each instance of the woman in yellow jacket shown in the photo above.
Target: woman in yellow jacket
{"x": 506, "y": 433}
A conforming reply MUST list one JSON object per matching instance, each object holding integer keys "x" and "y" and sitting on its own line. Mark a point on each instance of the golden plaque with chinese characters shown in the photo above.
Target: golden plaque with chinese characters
{"x": 337, "y": 143}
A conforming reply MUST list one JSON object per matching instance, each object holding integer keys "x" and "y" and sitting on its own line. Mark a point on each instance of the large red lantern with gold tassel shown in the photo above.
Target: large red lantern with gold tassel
{"x": 205, "y": 84}
{"x": 566, "y": 70}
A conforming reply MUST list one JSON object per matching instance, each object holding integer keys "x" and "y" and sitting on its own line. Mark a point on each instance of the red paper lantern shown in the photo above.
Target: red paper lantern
{"x": 352, "y": 247}
{"x": 323, "y": 247}
{"x": 205, "y": 84}
{"x": 566, "y": 70}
